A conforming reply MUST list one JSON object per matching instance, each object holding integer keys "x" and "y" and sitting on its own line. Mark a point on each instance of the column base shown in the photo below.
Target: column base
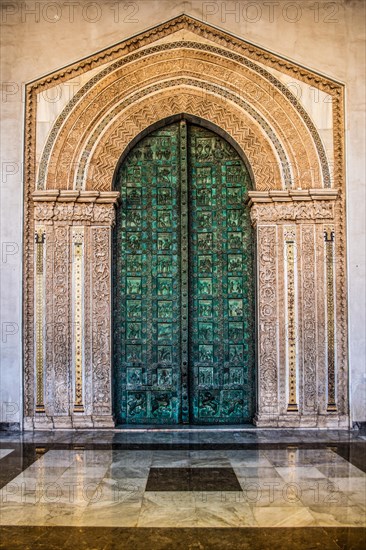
{"x": 330, "y": 421}
{"x": 62, "y": 422}
{"x": 103, "y": 421}
{"x": 80, "y": 421}
{"x": 42, "y": 422}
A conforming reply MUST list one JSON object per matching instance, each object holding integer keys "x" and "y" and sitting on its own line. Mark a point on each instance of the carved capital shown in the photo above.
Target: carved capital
{"x": 301, "y": 205}
{"x": 75, "y": 206}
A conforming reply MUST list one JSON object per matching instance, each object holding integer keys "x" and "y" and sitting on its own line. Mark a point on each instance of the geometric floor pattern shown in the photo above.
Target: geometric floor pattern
{"x": 183, "y": 485}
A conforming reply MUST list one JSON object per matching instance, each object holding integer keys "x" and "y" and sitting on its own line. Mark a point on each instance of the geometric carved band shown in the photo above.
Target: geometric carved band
{"x": 291, "y": 298}
{"x": 39, "y": 239}
{"x": 329, "y": 273}
{"x": 184, "y": 271}
{"x": 78, "y": 245}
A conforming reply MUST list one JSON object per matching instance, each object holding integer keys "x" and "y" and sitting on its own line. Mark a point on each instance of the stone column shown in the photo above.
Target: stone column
{"x": 73, "y": 309}
{"x": 297, "y": 324}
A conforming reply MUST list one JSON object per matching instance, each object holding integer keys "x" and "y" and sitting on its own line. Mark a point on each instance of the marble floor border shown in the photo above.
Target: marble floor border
{"x": 298, "y": 538}
{"x": 24, "y": 454}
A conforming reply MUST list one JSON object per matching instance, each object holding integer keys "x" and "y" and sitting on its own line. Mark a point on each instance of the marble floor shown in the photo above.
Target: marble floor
{"x": 183, "y": 489}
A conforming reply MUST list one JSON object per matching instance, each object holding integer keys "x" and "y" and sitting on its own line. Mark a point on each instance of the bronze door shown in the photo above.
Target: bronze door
{"x": 183, "y": 282}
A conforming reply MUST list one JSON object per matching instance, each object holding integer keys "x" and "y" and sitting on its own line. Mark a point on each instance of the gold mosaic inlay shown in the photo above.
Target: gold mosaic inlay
{"x": 40, "y": 240}
{"x": 329, "y": 273}
{"x": 291, "y": 319}
{"x": 78, "y": 239}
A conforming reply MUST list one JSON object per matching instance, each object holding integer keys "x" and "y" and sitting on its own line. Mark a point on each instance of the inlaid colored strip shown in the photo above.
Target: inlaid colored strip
{"x": 78, "y": 241}
{"x": 329, "y": 274}
{"x": 184, "y": 268}
{"x": 291, "y": 320}
{"x": 40, "y": 238}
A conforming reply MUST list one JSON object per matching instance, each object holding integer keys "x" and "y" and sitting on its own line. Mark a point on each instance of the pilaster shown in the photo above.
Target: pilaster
{"x": 73, "y": 306}
{"x": 297, "y": 319}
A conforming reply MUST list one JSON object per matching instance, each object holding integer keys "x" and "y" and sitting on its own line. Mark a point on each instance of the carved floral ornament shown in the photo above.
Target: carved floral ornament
{"x": 86, "y": 206}
{"x": 300, "y": 206}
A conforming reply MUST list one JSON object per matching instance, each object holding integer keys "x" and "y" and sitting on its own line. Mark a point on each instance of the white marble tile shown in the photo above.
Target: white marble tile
{"x": 50, "y": 473}
{"x": 341, "y": 470}
{"x": 270, "y": 492}
{"x": 12, "y": 512}
{"x": 260, "y": 462}
{"x": 171, "y": 459}
{"x": 296, "y": 473}
{"x": 336, "y": 516}
{"x": 167, "y": 509}
{"x": 258, "y": 473}
{"x": 127, "y": 472}
{"x": 110, "y": 492}
{"x": 45, "y": 514}
{"x": 354, "y": 488}
{"x": 283, "y": 516}
{"x": 20, "y": 493}
{"x": 209, "y": 459}
{"x": 224, "y": 514}
{"x": 84, "y": 474}
{"x": 5, "y": 452}
{"x": 122, "y": 514}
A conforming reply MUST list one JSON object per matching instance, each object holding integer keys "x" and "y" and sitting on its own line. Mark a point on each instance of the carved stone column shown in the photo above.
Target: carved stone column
{"x": 299, "y": 373}
{"x": 73, "y": 309}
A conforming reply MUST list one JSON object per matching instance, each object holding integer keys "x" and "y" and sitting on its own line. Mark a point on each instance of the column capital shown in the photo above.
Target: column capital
{"x": 88, "y": 207}
{"x": 301, "y": 205}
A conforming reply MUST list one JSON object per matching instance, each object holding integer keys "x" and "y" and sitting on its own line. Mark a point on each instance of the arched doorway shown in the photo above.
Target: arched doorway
{"x": 183, "y": 281}
{"x": 297, "y": 204}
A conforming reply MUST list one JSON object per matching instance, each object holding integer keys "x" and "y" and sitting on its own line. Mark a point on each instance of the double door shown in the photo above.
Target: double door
{"x": 183, "y": 304}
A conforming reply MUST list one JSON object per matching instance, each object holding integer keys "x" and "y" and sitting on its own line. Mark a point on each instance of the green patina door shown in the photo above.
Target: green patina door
{"x": 183, "y": 282}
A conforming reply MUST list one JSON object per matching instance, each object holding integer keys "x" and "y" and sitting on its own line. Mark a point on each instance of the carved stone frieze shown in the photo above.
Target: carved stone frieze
{"x": 97, "y": 208}
{"x": 295, "y": 211}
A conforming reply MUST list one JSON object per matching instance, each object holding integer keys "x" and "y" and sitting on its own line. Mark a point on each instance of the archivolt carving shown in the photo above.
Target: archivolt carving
{"x": 106, "y": 154}
{"x": 267, "y": 95}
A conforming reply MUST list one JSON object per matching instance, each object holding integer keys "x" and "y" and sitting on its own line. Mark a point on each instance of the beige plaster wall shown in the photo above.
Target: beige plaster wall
{"x": 40, "y": 36}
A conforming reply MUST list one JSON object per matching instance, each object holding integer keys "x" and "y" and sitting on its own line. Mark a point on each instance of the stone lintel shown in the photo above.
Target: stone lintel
{"x": 108, "y": 197}
{"x": 55, "y": 195}
{"x": 45, "y": 196}
{"x": 292, "y": 195}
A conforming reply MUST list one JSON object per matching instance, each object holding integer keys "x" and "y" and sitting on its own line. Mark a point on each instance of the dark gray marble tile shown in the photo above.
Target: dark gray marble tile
{"x": 192, "y": 479}
{"x": 98, "y": 538}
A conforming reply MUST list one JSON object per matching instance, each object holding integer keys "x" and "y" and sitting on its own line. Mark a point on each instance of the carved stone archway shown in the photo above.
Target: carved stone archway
{"x": 185, "y": 66}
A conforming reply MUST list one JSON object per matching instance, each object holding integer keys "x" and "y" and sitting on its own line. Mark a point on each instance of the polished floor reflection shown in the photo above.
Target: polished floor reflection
{"x": 185, "y": 480}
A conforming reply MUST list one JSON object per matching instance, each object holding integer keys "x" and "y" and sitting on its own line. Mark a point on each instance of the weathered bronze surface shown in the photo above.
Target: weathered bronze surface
{"x": 183, "y": 282}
